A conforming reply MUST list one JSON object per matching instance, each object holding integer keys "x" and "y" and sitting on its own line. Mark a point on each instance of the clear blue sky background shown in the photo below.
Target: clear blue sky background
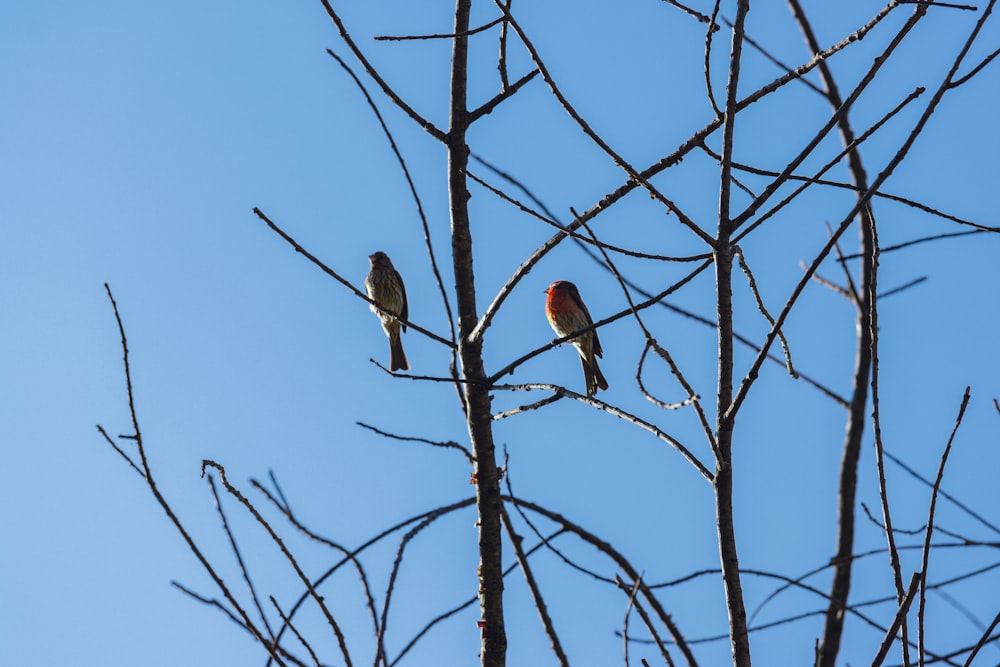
{"x": 137, "y": 137}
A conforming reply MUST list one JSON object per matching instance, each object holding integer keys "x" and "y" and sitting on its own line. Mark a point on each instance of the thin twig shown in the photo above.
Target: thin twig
{"x": 877, "y": 427}
{"x": 621, "y": 414}
{"x": 903, "y": 287}
{"x": 450, "y": 444}
{"x": 833, "y": 121}
{"x": 121, "y": 452}
{"x": 618, "y": 159}
{"x": 937, "y": 3}
{"x": 897, "y": 621}
{"x": 239, "y": 559}
{"x": 650, "y": 345}
{"x": 930, "y": 526}
{"x": 935, "y": 237}
{"x": 962, "y": 506}
{"x": 211, "y": 602}
{"x": 502, "y": 57}
{"x": 472, "y": 31}
{"x": 233, "y": 491}
{"x": 529, "y": 407}
{"x": 406, "y": 539}
{"x": 707, "y": 429}
{"x": 468, "y": 603}
{"x": 769, "y": 56}
{"x": 553, "y": 222}
{"x": 690, "y": 12}
{"x": 975, "y": 70}
{"x": 709, "y": 33}
{"x": 154, "y": 489}
{"x": 416, "y": 200}
{"x": 343, "y": 281}
{"x": 983, "y": 640}
{"x": 350, "y": 556}
{"x": 536, "y": 594}
{"x": 632, "y": 601}
{"x": 605, "y": 548}
{"x": 763, "y": 309}
{"x": 506, "y": 93}
{"x": 428, "y": 126}
{"x": 656, "y": 298}
{"x": 288, "y": 622}
{"x": 698, "y": 138}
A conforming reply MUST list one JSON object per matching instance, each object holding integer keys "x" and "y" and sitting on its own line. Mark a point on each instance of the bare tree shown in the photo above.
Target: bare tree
{"x": 649, "y": 285}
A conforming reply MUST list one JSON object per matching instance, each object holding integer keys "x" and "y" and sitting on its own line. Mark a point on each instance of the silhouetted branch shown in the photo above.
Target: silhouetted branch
{"x": 298, "y": 635}
{"x": 531, "y": 406}
{"x": 509, "y": 368}
{"x": 605, "y": 548}
{"x": 502, "y": 56}
{"x": 350, "y": 556}
{"x": 652, "y": 344}
{"x": 619, "y": 160}
{"x": 451, "y": 444}
{"x": 632, "y": 601}
{"x": 977, "y": 69}
{"x": 239, "y": 559}
{"x": 506, "y": 93}
{"x": 690, "y": 12}
{"x": 233, "y": 491}
{"x": 536, "y": 594}
{"x": 965, "y": 508}
{"x": 467, "y": 33}
{"x": 416, "y": 200}
{"x": 621, "y": 414}
{"x": 930, "y": 525}
{"x": 890, "y": 635}
{"x": 121, "y": 452}
{"x": 429, "y": 127}
{"x": 877, "y": 427}
{"x": 336, "y": 276}
{"x": 763, "y": 309}
{"x": 244, "y": 618}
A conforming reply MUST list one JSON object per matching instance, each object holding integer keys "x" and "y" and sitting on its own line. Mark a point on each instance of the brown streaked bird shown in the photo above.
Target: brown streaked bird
{"x": 567, "y": 313}
{"x": 385, "y": 288}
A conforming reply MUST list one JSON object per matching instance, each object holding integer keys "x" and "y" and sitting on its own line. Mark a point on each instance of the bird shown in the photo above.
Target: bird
{"x": 385, "y": 287}
{"x": 567, "y": 313}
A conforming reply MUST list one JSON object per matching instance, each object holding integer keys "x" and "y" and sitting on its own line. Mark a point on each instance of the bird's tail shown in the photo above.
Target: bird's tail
{"x": 593, "y": 375}
{"x": 397, "y": 358}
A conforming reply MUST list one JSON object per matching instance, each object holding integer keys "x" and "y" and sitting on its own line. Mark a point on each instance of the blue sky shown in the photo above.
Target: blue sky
{"x": 136, "y": 140}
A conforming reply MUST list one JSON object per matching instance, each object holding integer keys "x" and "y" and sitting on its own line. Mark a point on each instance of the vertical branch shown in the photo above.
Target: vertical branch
{"x": 930, "y": 528}
{"x": 502, "y": 60}
{"x": 723, "y": 255}
{"x": 478, "y": 416}
{"x": 847, "y": 487}
{"x": 879, "y": 458}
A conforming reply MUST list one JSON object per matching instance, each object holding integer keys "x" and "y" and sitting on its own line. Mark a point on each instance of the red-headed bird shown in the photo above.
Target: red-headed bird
{"x": 385, "y": 288}
{"x": 567, "y": 313}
